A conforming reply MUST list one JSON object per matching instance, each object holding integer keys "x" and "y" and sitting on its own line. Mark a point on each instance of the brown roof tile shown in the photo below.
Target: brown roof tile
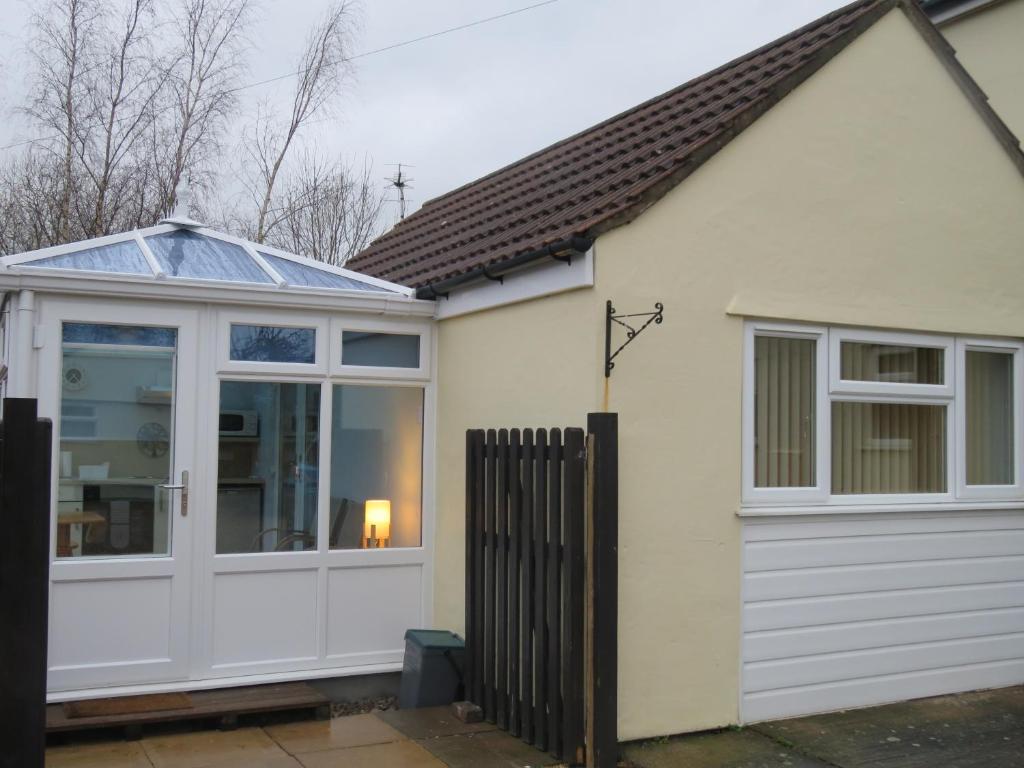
{"x": 608, "y": 174}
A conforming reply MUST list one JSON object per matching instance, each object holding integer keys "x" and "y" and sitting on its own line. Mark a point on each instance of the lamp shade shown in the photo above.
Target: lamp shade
{"x": 378, "y": 513}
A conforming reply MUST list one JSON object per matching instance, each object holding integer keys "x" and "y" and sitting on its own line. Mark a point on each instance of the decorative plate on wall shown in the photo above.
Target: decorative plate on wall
{"x": 153, "y": 440}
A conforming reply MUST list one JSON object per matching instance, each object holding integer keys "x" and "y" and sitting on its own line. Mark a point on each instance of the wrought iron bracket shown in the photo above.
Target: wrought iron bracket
{"x": 631, "y": 331}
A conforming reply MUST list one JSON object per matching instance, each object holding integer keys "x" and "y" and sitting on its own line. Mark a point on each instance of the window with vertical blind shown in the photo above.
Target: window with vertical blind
{"x": 846, "y": 416}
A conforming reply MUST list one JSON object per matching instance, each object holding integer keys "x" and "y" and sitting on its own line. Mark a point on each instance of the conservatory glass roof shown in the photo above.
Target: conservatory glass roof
{"x": 174, "y": 251}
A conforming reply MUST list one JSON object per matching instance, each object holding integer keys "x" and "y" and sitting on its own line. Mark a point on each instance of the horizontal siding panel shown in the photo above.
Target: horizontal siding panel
{"x": 863, "y": 609}
{"x": 836, "y": 609}
{"x": 790, "y": 702}
{"x": 861, "y": 550}
{"x": 879, "y": 526}
{"x": 837, "y": 638}
{"x": 833, "y": 667}
{"x": 810, "y": 582}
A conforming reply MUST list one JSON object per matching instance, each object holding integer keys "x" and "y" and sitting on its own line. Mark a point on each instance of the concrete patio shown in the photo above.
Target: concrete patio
{"x": 972, "y": 730}
{"x": 984, "y": 729}
{"x": 418, "y": 738}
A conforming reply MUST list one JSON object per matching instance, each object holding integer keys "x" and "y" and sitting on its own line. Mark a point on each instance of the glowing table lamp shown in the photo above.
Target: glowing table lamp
{"x": 377, "y": 523}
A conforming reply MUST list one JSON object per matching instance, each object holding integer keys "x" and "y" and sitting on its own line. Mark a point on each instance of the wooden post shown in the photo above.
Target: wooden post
{"x": 24, "y": 582}
{"x": 602, "y": 748}
{"x": 573, "y": 602}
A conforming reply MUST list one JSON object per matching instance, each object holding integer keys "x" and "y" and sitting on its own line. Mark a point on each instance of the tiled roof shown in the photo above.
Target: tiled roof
{"x": 608, "y": 174}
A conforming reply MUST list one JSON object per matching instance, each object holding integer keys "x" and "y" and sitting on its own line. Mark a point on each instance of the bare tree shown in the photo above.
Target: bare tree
{"x": 62, "y": 55}
{"x": 122, "y": 94}
{"x": 211, "y": 35}
{"x": 322, "y": 70}
{"x": 327, "y": 211}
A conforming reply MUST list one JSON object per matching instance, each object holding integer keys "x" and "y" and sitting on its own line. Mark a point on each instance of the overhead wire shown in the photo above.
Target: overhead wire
{"x": 362, "y": 55}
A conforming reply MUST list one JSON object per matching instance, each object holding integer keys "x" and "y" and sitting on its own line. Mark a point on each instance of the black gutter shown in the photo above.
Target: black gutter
{"x": 571, "y": 245}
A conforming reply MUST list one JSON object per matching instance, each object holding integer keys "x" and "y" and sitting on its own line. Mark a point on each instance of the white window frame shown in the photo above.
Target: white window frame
{"x": 847, "y": 386}
{"x": 819, "y": 492}
{"x": 272, "y": 320}
{"x": 831, "y": 389}
{"x": 1016, "y": 489}
{"x": 374, "y": 325}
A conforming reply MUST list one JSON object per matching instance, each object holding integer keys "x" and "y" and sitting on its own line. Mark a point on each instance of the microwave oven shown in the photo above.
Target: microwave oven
{"x": 239, "y": 423}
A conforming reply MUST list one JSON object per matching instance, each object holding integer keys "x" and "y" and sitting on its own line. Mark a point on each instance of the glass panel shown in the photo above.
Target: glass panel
{"x": 136, "y": 335}
{"x": 295, "y": 273}
{"x": 273, "y": 344}
{"x": 891, "y": 363}
{"x": 268, "y": 467}
{"x": 376, "y": 466}
{"x": 784, "y": 412}
{"x": 888, "y": 448}
{"x": 989, "y": 437}
{"x": 116, "y": 427}
{"x": 182, "y": 253}
{"x": 394, "y": 350}
{"x": 125, "y": 256}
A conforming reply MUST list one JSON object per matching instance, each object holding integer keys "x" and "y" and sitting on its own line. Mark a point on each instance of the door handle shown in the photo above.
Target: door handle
{"x": 183, "y": 487}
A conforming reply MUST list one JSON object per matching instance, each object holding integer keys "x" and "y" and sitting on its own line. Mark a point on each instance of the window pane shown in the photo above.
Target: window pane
{"x": 133, "y": 335}
{"x": 394, "y": 350}
{"x": 784, "y": 412}
{"x": 267, "y": 467}
{"x": 125, "y": 257}
{"x": 888, "y": 448}
{"x": 376, "y": 455}
{"x": 116, "y": 428}
{"x": 989, "y": 418}
{"x": 272, "y": 344}
{"x": 891, "y": 363}
{"x": 186, "y": 254}
{"x": 296, "y": 273}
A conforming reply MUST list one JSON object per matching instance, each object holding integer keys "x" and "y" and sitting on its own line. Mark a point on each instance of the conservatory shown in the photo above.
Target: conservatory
{"x": 241, "y": 460}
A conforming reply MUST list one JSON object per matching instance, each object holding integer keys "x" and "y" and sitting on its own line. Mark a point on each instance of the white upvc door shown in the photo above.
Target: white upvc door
{"x": 119, "y": 380}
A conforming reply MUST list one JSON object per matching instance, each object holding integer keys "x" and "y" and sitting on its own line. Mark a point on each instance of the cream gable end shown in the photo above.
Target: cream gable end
{"x": 874, "y": 194}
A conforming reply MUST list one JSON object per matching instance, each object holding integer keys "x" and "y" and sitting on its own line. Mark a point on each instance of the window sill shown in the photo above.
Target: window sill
{"x": 963, "y": 505}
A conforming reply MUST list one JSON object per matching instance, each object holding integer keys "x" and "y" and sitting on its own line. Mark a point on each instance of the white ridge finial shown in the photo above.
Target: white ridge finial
{"x": 183, "y": 199}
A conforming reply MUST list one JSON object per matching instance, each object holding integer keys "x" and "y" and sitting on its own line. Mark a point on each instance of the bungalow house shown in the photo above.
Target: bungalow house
{"x": 821, "y": 447}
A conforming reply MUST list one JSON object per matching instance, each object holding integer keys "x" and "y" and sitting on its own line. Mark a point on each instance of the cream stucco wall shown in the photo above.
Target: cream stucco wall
{"x": 843, "y": 204}
{"x": 990, "y": 44}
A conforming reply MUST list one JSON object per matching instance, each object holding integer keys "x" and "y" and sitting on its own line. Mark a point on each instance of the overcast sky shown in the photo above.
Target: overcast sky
{"x": 461, "y": 105}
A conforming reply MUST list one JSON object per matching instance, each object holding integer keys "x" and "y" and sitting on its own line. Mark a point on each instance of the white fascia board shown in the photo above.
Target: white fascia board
{"x": 541, "y": 278}
{"x": 252, "y": 294}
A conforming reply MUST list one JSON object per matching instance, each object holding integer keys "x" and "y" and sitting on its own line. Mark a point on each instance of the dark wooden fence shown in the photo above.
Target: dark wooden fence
{"x": 538, "y": 621}
{"x": 25, "y": 445}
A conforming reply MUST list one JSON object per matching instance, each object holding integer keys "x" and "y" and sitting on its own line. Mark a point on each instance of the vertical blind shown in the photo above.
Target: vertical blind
{"x": 784, "y": 412}
{"x": 989, "y": 380}
{"x": 888, "y": 448}
{"x": 892, "y": 363}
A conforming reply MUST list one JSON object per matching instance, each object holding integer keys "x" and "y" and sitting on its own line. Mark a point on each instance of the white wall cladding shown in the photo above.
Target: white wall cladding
{"x": 848, "y": 611}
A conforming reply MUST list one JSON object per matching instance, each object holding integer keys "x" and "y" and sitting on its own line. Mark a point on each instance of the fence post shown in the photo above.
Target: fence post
{"x": 602, "y": 721}
{"x": 24, "y": 582}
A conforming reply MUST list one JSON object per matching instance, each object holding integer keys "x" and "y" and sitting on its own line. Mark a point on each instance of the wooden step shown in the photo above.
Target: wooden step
{"x": 224, "y": 703}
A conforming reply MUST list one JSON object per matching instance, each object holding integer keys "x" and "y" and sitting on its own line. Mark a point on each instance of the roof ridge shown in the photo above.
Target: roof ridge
{"x": 815, "y": 24}
{"x": 608, "y": 173}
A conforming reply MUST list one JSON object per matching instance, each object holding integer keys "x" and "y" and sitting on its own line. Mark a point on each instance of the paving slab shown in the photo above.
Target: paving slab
{"x": 105, "y": 755}
{"x": 247, "y": 746}
{"x": 430, "y": 722}
{"x": 487, "y": 749}
{"x": 397, "y": 754}
{"x": 969, "y": 730}
{"x": 721, "y": 749}
{"x": 348, "y": 731}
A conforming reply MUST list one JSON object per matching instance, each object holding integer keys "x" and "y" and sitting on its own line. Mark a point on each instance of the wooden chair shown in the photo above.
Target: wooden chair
{"x": 291, "y": 535}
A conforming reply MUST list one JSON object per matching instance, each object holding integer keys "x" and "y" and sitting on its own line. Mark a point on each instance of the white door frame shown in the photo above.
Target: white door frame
{"x": 77, "y": 573}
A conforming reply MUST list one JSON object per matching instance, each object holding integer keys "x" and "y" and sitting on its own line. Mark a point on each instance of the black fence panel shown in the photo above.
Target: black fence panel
{"x": 25, "y": 450}
{"x": 531, "y": 615}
